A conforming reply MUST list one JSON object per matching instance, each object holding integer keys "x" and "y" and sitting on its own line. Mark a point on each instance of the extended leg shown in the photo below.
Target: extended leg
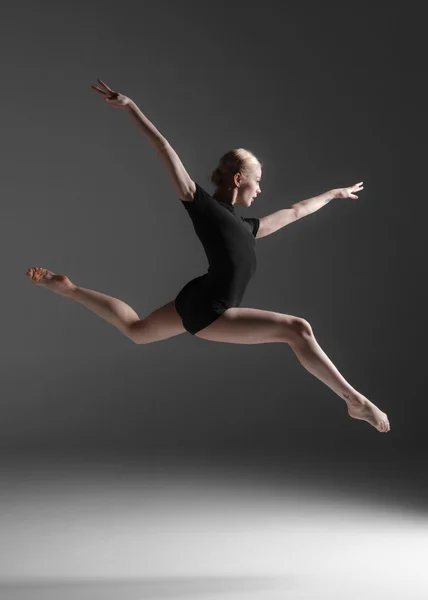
{"x": 163, "y": 323}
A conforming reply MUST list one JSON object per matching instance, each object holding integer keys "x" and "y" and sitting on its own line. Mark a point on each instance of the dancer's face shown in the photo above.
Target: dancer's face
{"x": 249, "y": 187}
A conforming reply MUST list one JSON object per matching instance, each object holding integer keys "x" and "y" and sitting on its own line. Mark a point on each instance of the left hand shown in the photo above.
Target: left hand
{"x": 113, "y": 98}
{"x": 349, "y": 192}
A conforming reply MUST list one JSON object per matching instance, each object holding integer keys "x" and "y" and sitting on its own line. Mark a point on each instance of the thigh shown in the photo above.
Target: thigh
{"x": 161, "y": 324}
{"x": 252, "y": 326}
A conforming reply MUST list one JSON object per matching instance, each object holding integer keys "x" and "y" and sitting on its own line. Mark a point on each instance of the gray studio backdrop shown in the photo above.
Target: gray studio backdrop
{"x": 319, "y": 98}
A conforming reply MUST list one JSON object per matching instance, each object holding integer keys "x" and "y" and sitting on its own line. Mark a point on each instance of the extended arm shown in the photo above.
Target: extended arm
{"x": 183, "y": 184}
{"x": 279, "y": 219}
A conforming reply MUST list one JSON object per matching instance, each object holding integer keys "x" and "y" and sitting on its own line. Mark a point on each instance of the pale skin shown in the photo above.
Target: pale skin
{"x": 236, "y": 325}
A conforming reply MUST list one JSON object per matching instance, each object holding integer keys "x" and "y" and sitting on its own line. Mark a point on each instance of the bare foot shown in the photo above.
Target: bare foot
{"x": 361, "y": 408}
{"x": 60, "y": 284}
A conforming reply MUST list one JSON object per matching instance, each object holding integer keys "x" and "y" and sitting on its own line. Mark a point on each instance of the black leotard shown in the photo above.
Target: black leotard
{"x": 229, "y": 243}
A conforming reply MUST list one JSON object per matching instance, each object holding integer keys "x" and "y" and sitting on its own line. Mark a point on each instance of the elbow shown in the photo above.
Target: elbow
{"x": 298, "y": 212}
{"x": 161, "y": 144}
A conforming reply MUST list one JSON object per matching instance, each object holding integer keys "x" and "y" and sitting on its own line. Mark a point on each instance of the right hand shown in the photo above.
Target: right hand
{"x": 348, "y": 192}
{"x": 113, "y": 98}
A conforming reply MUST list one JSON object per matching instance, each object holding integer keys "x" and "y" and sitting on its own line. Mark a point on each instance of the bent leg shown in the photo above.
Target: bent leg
{"x": 254, "y": 326}
{"x": 251, "y": 326}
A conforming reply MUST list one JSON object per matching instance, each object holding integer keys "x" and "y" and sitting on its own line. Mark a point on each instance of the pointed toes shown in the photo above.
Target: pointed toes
{"x": 36, "y": 274}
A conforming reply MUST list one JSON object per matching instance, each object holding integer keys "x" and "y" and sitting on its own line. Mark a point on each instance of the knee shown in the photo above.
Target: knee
{"x": 132, "y": 337}
{"x": 301, "y": 329}
{"x": 136, "y": 333}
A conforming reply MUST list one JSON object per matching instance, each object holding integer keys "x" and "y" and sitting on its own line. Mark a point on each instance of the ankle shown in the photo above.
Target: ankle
{"x": 71, "y": 291}
{"x": 352, "y": 397}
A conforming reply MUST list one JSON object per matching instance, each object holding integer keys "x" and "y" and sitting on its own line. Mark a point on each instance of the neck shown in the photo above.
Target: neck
{"x": 225, "y": 195}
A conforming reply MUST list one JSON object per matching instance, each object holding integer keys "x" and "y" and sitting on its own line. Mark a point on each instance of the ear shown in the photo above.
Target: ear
{"x": 237, "y": 179}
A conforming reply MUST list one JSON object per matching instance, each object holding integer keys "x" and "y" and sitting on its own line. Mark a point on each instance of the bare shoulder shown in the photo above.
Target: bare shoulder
{"x": 190, "y": 193}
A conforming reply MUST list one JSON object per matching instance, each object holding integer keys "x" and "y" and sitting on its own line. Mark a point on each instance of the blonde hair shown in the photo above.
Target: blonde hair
{"x": 238, "y": 160}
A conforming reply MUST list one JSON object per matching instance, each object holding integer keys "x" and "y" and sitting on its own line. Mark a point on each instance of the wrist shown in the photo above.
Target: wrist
{"x": 131, "y": 106}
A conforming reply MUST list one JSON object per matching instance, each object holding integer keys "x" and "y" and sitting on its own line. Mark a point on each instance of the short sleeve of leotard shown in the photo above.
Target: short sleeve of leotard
{"x": 194, "y": 206}
{"x": 198, "y": 197}
{"x": 253, "y": 224}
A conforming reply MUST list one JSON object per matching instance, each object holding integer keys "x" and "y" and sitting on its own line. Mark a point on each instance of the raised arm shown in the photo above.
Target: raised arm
{"x": 279, "y": 219}
{"x": 183, "y": 184}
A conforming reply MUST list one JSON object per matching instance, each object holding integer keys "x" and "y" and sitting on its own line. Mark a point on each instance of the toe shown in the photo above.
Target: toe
{"x": 30, "y": 272}
{"x": 36, "y": 274}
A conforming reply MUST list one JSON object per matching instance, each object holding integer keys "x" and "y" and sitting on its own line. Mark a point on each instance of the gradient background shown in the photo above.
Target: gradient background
{"x": 325, "y": 98}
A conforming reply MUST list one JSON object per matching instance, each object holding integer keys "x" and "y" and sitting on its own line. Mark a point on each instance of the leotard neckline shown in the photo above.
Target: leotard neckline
{"x": 229, "y": 207}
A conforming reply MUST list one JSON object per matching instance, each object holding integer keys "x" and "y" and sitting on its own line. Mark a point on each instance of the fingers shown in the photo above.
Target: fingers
{"x": 106, "y": 91}
{"x": 105, "y": 86}
{"x": 97, "y": 89}
{"x": 355, "y": 188}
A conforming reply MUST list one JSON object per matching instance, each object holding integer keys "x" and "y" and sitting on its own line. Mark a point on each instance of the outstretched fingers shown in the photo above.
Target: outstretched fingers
{"x": 106, "y": 91}
{"x": 97, "y": 89}
{"x": 100, "y": 81}
{"x": 357, "y": 187}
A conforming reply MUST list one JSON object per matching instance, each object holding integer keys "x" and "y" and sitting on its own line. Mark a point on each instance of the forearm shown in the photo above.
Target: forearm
{"x": 155, "y": 138}
{"x": 306, "y": 207}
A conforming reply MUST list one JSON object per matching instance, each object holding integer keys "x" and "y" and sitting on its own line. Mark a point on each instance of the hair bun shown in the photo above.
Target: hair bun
{"x": 237, "y": 160}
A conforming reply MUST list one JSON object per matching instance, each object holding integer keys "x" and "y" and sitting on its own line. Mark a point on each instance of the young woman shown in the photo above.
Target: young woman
{"x": 209, "y": 305}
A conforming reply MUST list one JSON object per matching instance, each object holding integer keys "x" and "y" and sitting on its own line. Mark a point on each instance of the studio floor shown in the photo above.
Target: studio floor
{"x": 130, "y": 532}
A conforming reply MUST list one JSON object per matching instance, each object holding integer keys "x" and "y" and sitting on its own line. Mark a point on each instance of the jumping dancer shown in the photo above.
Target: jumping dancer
{"x": 209, "y": 305}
